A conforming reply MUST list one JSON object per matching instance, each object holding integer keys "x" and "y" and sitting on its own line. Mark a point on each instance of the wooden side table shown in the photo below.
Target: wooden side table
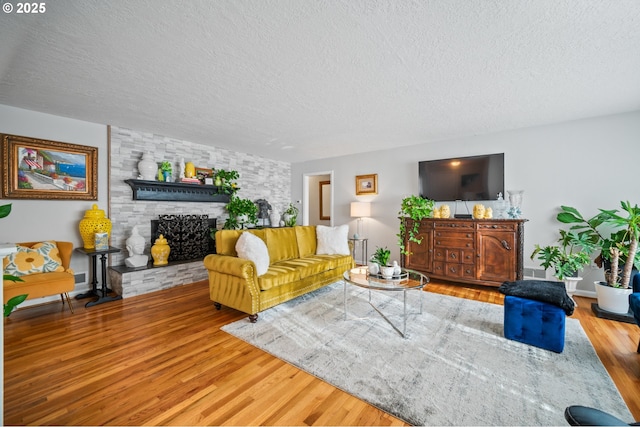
{"x": 103, "y": 293}
{"x": 354, "y": 243}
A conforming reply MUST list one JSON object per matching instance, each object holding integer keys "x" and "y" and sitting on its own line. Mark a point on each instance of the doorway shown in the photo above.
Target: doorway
{"x": 317, "y": 198}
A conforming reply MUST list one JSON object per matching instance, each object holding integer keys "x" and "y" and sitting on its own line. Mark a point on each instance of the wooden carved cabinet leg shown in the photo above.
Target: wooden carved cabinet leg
{"x": 253, "y": 318}
{"x": 217, "y": 305}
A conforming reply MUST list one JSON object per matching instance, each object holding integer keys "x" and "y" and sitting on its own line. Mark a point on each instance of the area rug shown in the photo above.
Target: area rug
{"x": 455, "y": 367}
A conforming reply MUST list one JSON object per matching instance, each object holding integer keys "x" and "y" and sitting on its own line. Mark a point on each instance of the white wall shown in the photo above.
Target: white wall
{"x": 32, "y": 220}
{"x": 587, "y": 164}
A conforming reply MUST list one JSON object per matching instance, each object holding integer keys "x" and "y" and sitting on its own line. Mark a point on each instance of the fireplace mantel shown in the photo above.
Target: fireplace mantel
{"x": 175, "y": 191}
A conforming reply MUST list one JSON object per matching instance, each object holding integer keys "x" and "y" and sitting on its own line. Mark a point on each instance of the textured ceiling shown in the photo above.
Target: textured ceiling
{"x": 304, "y": 79}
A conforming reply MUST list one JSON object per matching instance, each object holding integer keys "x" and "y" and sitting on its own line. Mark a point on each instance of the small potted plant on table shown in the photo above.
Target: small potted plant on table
{"x": 381, "y": 258}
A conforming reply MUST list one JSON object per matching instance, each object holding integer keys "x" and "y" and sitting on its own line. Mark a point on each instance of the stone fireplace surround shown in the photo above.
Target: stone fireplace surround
{"x": 260, "y": 178}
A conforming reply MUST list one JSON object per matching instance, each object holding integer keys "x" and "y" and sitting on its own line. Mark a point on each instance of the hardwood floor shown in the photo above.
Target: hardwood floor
{"x": 161, "y": 359}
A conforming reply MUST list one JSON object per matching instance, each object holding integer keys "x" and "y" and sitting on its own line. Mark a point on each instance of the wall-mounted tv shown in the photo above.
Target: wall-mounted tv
{"x": 462, "y": 178}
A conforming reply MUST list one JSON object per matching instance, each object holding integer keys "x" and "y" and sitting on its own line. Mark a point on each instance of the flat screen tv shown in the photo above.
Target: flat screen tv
{"x": 462, "y": 178}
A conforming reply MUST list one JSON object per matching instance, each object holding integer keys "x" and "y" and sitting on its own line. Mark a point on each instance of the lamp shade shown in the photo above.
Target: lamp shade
{"x": 360, "y": 209}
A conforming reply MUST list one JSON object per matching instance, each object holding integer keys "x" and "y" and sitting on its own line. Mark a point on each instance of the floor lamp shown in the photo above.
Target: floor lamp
{"x": 360, "y": 210}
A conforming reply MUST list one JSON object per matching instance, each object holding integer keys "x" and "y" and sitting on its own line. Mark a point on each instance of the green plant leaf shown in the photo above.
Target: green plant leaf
{"x": 5, "y": 210}
{"x": 10, "y": 305}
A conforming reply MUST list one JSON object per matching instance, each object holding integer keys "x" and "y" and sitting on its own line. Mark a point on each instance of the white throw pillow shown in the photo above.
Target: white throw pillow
{"x": 333, "y": 240}
{"x": 251, "y": 247}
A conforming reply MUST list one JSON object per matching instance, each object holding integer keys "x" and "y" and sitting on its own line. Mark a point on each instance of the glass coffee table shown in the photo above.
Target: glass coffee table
{"x": 406, "y": 281}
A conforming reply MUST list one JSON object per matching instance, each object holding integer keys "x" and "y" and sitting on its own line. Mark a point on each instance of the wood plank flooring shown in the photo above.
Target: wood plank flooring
{"x": 161, "y": 359}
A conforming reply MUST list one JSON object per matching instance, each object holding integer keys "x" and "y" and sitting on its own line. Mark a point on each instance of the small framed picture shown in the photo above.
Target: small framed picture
{"x": 366, "y": 184}
{"x": 203, "y": 173}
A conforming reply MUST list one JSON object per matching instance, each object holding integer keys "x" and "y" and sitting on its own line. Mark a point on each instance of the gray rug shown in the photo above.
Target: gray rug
{"x": 456, "y": 368}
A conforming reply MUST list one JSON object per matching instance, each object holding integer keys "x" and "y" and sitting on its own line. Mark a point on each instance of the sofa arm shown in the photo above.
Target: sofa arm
{"x": 231, "y": 265}
{"x": 233, "y": 282}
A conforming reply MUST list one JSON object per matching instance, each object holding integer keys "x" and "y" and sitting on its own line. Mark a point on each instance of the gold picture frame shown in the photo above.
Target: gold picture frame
{"x": 366, "y": 184}
{"x": 43, "y": 169}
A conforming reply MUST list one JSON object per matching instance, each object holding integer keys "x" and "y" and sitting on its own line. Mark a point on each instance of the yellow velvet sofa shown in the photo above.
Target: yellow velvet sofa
{"x": 39, "y": 285}
{"x": 294, "y": 269}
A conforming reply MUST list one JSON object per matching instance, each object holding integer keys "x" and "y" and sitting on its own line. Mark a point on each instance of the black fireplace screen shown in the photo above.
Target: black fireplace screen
{"x": 189, "y": 236}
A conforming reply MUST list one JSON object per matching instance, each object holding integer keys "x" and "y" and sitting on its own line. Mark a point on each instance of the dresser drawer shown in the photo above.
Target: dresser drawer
{"x": 454, "y": 225}
{"x": 454, "y": 255}
{"x": 453, "y": 242}
{"x": 501, "y": 226}
{"x": 459, "y": 270}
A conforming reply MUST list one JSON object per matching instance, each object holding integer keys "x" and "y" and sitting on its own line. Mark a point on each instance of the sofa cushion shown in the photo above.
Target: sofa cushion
{"x": 278, "y": 274}
{"x": 333, "y": 240}
{"x": 40, "y": 258}
{"x": 306, "y": 235}
{"x": 282, "y": 244}
{"x": 226, "y": 240}
{"x": 251, "y": 247}
{"x": 309, "y": 266}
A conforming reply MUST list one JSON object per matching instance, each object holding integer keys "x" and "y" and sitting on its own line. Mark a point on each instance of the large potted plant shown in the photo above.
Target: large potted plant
{"x": 621, "y": 246}
{"x": 241, "y": 213}
{"x": 414, "y": 208}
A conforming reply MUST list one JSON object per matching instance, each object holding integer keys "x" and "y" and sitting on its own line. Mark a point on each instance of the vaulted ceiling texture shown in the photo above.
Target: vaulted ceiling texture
{"x": 306, "y": 79}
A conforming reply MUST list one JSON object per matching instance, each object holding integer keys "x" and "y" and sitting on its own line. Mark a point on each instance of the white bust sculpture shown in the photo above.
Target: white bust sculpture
{"x": 135, "y": 247}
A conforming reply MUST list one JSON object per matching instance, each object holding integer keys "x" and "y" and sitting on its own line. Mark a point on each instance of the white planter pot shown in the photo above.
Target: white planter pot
{"x": 614, "y": 300}
{"x": 242, "y": 220}
{"x": 387, "y": 272}
{"x": 570, "y": 285}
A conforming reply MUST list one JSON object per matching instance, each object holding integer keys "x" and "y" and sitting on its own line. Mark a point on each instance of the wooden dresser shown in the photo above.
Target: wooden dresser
{"x": 484, "y": 252}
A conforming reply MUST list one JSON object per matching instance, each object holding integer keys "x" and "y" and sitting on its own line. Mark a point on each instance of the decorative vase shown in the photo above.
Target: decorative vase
{"x": 217, "y": 181}
{"x": 94, "y": 221}
{"x": 167, "y": 176}
{"x": 147, "y": 167}
{"x": 274, "y": 218}
{"x": 160, "y": 251}
{"x": 614, "y": 300}
{"x": 189, "y": 170}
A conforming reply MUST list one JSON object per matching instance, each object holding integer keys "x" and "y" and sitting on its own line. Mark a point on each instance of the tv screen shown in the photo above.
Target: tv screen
{"x": 462, "y": 178}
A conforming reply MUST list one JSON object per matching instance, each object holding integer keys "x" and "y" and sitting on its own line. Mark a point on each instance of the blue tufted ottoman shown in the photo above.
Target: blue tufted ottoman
{"x": 534, "y": 322}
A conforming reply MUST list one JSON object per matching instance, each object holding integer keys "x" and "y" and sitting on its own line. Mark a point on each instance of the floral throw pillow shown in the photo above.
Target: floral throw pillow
{"x": 40, "y": 258}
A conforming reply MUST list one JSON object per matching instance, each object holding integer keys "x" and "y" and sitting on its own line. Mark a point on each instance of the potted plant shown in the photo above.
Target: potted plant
{"x": 414, "y": 208}
{"x": 566, "y": 259}
{"x": 166, "y": 170}
{"x": 381, "y": 258}
{"x": 241, "y": 213}
{"x": 290, "y": 215}
{"x": 226, "y": 180}
{"x": 10, "y": 305}
{"x": 620, "y": 246}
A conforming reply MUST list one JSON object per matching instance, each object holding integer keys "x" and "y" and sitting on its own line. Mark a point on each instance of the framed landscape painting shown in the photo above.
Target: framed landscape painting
{"x": 42, "y": 169}
{"x": 366, "y": 184}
